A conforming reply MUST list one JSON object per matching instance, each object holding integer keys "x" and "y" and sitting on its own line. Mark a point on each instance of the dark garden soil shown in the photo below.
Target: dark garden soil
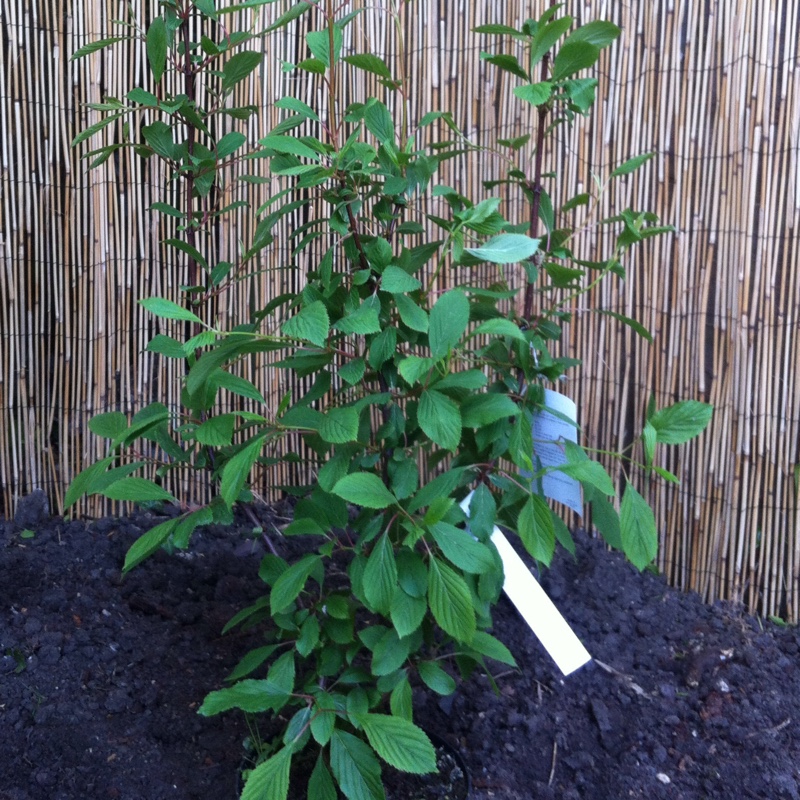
{"x": 101, "y": 678}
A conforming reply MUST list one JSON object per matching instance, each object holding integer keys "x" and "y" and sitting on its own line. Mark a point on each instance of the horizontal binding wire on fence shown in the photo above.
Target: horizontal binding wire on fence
{"x": 710, "y": 87}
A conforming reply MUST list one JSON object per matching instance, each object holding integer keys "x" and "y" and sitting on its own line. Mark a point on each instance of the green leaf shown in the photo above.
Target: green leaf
{"x": 230, "y": 143}
{"x": 506, "y": 62}
{"x": 406, "y": 612}
{"x": 397, "y": 281}
{"x": 480, "y": 410}
{"x": 482, "y": 513}
{"x": 606, "y": 519}
{"x": 141, "y": 96}
{"x": 320, "y": 784}
{"x": 400, "y": 743}
{"x": 413, "y": 368}
{"x": 339, "y": 425}
{"x": 93, "y": 47}
{"x": 168, "y": 310}
{"x": 108, "y": 426}
{"x": 400, "y": 701}
{"x": 380, "y": 575}
{"x": 436, "y": 679}
{"x": 572, "y": 57}
{"x": 461, "y": 549}
{"x": 631, "y": 165}
{"x": 450, "y": 601}
{"x": 649, "y": 440}
{"x": 599, "y": 32}
{"x": 490, "y": 647}
{"x": 364, "y": 320}
{"x": 500, "y": 326}
{"x": 292, "y": 14}
{"x": 411, "y": 314}
{"x": 310, "y": 324}
{"x": 536, "y": 94}
{"x": 535, "y": 528}
{"x": 364, "y": 489}
{"x": 357, "y": 770}
{"x": 270, "y": 779}
{"x": 238, "y": 67}
{"x": 637, "y": 529}
{"x": 370, "y": 63}
{"x": 631, "y": 323}
{"x": 680, "y": 422}
{"x": 217, "y": 431}
{"x": 312, "y": 65}
{"x": 449, "y": 318}
{"x": 324, "y": 717}
{"x": 291, "y": 582}
{"x": 583, "y": 469}
{"x": 156, "y": 46}
{"x": 237, "y": 385}
{"x": 440, "y": 419}
{"x": 82, "y": 482}
{"x": 148, "y": 543}
{"x": 250, "y": 695}
{"x": 379, "y": 122}
{"x": 298, "y": 106}
{"x": 290, "y": 145}
{"x": 236, "y": 471}
{"x": 320, "y": 46}
{"x": 137, "y": 490}
{"x": 353, "y": 371}
{"x": 506, "y": 248}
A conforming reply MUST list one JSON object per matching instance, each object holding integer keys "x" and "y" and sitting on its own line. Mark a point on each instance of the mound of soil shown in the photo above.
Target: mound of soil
{"x": 101, "y": 678}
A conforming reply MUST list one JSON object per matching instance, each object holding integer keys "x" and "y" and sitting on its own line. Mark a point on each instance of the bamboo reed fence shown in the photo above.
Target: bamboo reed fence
{"x": 709, "y": 86}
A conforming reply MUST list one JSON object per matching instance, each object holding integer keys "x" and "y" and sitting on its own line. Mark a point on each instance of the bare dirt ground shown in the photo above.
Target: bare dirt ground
{"x": 101, "y": 678}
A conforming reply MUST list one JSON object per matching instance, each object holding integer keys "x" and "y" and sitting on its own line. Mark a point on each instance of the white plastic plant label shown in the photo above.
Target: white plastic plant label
{"x": 548, "y": 431}
{"x": 536, "y": 608}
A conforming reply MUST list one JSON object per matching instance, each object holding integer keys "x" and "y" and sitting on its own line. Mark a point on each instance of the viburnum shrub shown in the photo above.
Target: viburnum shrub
{"x": 399, "y": 588}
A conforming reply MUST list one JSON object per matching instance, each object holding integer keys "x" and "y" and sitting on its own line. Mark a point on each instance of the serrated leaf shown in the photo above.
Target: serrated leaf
{"x": 461, "y": 549}
{"x": 357, "y": 770}
{"x": 137, "y": 490}
{"x": 574, "y": 56}
{"x": 396, "y": 280}
{"x": 483, "y": 409}
{"x": 536, "y": 94}
{"x": 238, "y": 67}
{"x": 606, "y": 519}
{"x": 637, "y": 529}
{"x": 289, "y": 145}
{"x": 380, "y": 575}
{"x": 237, "y": 469}
{"x": 269, "y": 780}
{"x": 291, "y": 582}
{"x": 400, "y": 700}
{"x": 217, "y": 431}
{"x": 156, "y": 46}
{"x": 230, "y": 143}
{"x": 411, "y": 314}
{"x": 370, "y": 63}
{"x": 148, "y": 543}
{"x": 363, "y": 321}
{"x": 400, "y": 743}
{"x": 488, "y": 646}
{"x": 320, "y": 784}
{"x": 499, "y": 326}
{"x": 310, "y": 324}
{"x": 406, "y": 612}
{"x": 680, "y": 422}
{"x": 108, "y": 426}
{"x": 535, "y": 528}
{"x": 322, "y": 722}
{"x": 166, "y": 309}
{"x": 93, "y": 47}
{"x": 339, "y": 425}
{"x": 506, "y": 248}
{"x": 292, "y": 14}
{"x": 440, "y": 419}
{"x": 450, "y": 601}
{"x": 436, "y": 679}
{"x": 631, "y": 165}
{"x": 378, "y": 121}
{"x": 413, "y": 368}
{"x": 319, "y": 44}
{"x": 449, "y": 318}
{"x": 250, "y": 695}
{"x": 364, "y": 489}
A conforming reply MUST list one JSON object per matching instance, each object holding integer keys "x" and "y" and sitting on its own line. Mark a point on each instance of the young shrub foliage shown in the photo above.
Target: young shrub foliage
{"x": 398, "y": 589}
